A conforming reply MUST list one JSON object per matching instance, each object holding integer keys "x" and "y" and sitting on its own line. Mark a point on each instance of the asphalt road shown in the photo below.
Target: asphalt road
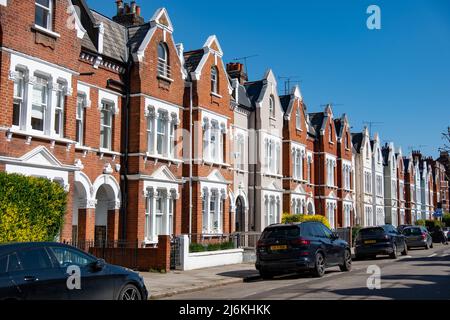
{"x": 423, "y": 274}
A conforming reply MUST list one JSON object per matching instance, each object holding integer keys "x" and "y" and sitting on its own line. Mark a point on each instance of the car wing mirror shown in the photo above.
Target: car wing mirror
{"x": 99, "y": 265}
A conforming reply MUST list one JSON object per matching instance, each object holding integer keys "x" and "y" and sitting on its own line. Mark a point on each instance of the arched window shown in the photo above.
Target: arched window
{"x": 272, "y": 106}
{"x": 298, "y": 120}
{"x": 331, "y": 133}
{"x": 346, "y": 141}
{"x": 214, "y": 80}
{"x": 163, "y": 60}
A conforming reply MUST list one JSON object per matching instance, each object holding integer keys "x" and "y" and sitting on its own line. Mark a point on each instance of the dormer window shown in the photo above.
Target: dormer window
{"x": 272, "y": 107}
{"x": 214, "y": 80}
{"x": 298, "y": 120}
{"x": 44, "y": 14}
{"x": 163, "y": 61}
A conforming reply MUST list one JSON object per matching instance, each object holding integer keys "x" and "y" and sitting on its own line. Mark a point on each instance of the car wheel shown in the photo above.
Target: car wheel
{"x": 347, "y": 265}
{"x": 393, "y": 255}
{"x": 266, "y": 275}
{"x": 405, "y": 250}
{"x": 129, "y": 293}
{"x": 319, "y": 266}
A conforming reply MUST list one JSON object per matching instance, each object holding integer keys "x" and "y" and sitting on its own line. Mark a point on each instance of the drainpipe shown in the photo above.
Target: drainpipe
{"x": 254, "y": 172}
{"x": 124, "y": 206}
{"x": 191, "y": 125}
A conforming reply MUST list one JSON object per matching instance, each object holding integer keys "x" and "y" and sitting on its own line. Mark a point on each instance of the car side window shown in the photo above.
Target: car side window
{"x": 317, "y": 230}
{"x": 34, "y": 259}
{"x": 13, "y": 263}
{"x": 327, "y": 232}
{"x": 3, "y": 264}
{"x": 306, "y": 230}
{"x": 67, "y": 257}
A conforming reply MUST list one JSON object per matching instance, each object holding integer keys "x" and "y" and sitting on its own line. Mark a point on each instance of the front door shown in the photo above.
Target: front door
{"x": 240, "y": 216}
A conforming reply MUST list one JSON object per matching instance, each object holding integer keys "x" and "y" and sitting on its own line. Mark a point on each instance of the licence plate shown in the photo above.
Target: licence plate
{"x": 370, "y": 241}
{"x": 275, "y": 248}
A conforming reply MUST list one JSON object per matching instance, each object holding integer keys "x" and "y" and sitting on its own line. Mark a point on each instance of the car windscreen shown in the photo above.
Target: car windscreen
{"x": 371, "y": 232}
{"x": 412, "y": 232}
{"x": 281, "y": 233}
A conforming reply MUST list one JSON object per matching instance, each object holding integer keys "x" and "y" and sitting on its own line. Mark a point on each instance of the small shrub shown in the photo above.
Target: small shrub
{"x": 292, "y": 218}
{"x": 420, "y": 223}
{"x": 446, "y": 219}
{"x": 196, "y": 247}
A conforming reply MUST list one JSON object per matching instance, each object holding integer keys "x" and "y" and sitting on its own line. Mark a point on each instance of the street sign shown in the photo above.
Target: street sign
{"x": 438, "y": 213}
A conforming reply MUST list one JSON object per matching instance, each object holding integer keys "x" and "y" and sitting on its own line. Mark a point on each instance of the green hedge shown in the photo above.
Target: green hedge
{"x": 446, "y": 219}
{"x": 292, "y": 218}
{"x": 31, "y": 209}
{"x": 198, "y": 247}
{"x": 430, "y": 224}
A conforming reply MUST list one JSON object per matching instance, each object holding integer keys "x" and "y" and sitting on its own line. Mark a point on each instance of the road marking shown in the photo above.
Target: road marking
{"x": 432, "y": 255}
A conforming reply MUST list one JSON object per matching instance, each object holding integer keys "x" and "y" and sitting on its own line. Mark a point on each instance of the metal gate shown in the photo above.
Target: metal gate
{"x": 175, "y": 253}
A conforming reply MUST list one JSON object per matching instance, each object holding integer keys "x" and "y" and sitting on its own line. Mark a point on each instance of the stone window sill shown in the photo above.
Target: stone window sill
{"x": 46, "y": 31}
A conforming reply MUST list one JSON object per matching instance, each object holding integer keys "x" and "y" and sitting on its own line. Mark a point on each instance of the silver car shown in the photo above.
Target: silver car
{"x": 418, "y": 237}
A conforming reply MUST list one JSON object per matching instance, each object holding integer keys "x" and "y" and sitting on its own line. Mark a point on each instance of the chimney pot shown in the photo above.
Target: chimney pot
{"x": 138, "y": 11}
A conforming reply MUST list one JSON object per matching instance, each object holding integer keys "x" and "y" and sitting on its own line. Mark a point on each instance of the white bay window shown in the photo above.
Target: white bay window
{"x": 159, "y": 211}
{"x": 212, "y": 210}
{"x": 161, "y": 129}
{"x": 39, "y": 103}
{"x": 19, "y": 95}
{"x": 213, "y": 140}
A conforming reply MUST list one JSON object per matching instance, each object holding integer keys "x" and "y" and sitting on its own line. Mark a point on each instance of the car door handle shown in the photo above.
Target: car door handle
{"x": 30, "y": 279}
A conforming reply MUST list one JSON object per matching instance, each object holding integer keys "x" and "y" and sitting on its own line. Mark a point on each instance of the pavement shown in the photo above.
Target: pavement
{"x": 163, "y": 285}
{"x": 422, "y": 274}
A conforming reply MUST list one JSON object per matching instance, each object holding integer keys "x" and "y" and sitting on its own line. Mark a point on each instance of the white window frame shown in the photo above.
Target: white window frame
{"x": 49, "y": 11}
{"x": 60, "y": 107}
{"x": 214, "y": 80}
{"x": 272, "y": 106}
{"x": 212, "y": 219}
{"x": 107, "y": 107}
{"x": 163, "y": 61}
{"x": 44, "y": 105}
{"x": 19, "y": 96}
{"x": 161, "y": 131}
{"x": 298, "y": 119}
{"x": 80, "y": 118}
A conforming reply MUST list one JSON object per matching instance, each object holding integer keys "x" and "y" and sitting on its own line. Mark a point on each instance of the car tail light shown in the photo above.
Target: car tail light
{"x": 301, "y": 242}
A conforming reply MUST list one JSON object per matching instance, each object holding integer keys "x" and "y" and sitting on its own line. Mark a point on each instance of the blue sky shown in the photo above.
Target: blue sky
{"x": 399, "y": 75}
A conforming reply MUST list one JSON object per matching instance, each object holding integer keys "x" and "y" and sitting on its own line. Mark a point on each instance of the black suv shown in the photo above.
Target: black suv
{"x": 306, "y": 246}
{"x": 382, "y": 240}
{"x": 54, "y": 271}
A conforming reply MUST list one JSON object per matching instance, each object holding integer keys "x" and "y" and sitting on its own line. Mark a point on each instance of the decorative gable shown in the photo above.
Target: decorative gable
{"x": 41, "y": 156}
{"x": 162, "y": 20}
{"x": 164, "y": 174}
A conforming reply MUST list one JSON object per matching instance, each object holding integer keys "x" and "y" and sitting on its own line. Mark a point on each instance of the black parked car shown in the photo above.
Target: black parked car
{"x": 383, "y": 240}
{"x": 307, "y": 246}
{"x": 418, "y": 237}
{"x": 54, "y": 271}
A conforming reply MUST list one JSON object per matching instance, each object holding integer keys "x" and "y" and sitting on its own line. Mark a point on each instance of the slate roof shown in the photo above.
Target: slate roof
{"x": 285, "y": 101}
{"x": 254, "y": 90}
{"x": 244, "y": 100}
{"x": 192, "y": 59}
{"x": 316, "y": 120}
{"x": 115, "y": 38}
{"x": 357, "y": 139}
{"x": 136, "y": 35}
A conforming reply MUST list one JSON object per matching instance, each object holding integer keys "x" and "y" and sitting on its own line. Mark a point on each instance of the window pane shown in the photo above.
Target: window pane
{"x": 41, "y": 17}
{"x": 45, "y": 3}
{"x": 34, "y": 259}
{"x": 66, "y": 257}
{"x": 3, "y": 264}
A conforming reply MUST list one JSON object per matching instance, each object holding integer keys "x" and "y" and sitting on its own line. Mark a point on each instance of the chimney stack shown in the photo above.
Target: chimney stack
{"x": 236, "y": 71}
{"x": 128, "y": 14}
